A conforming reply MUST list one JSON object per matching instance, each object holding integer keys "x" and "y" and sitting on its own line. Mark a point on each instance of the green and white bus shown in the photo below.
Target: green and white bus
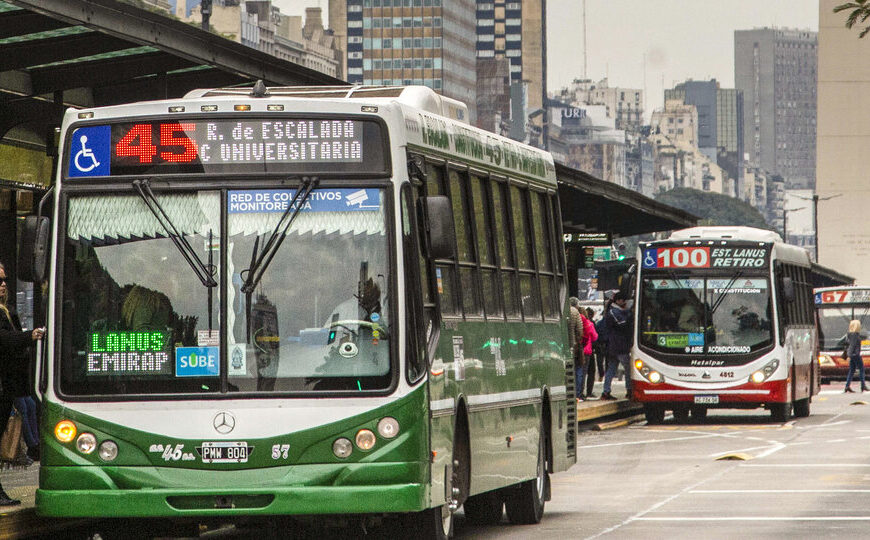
{"x": 302, "y": 301}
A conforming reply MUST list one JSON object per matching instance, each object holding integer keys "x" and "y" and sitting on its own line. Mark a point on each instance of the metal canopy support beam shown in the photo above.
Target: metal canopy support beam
{"x": 100, "y": 72}
{"x": 36, "y": 52}
{"x": 19, "y": 23}
{"x": 203, "y": 48}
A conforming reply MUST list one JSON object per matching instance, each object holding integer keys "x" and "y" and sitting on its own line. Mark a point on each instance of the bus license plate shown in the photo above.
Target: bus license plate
{"x": 224, "y": 452}
{"x": 707, "y": 400}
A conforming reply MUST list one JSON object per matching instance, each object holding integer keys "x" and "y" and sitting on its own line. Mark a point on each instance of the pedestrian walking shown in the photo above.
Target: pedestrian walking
{"x": 14, "y": 363}
{"x": 853, "y": 351}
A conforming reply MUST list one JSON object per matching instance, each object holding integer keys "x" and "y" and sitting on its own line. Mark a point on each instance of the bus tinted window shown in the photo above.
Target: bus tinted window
{"x": 520, "y": 227}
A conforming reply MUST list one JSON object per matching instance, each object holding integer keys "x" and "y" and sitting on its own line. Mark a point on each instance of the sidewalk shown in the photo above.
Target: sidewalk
{"x": 595, "y": 409}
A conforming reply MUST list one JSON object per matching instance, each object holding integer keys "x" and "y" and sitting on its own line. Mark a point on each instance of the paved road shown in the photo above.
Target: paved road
{"x": 806, "y": 478}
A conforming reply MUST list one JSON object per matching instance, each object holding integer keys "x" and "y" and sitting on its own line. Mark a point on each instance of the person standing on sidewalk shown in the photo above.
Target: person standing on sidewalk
{"x": 590, "y": 335}
{"x": 853, "y": 351}
{"x": 575, "y": 338}
{"x": 14, "y": 363}
{"x": 619, "y": 325}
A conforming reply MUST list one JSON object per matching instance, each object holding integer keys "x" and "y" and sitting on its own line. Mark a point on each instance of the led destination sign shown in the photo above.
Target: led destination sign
{"x": 705, "y": 257}
{"x": 223, "y": 145}
{"x": 128, "y": 353}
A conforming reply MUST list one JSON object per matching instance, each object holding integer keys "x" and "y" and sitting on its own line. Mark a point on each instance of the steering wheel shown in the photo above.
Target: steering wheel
{"x": 345, "y": 324}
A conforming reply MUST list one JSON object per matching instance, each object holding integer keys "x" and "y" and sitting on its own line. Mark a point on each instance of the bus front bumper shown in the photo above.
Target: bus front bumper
{"x": 133, "y": 492}
{"x": 746, "y": 394}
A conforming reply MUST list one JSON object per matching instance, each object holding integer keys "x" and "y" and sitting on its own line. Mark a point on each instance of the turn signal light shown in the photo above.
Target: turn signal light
{"x": 649, "y": 374}
{"x": 365, "y": 439}
{"x": 65, "y": 431}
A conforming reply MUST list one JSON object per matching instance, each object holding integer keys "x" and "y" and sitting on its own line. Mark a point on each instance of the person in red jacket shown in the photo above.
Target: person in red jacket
{"x": 590, "y": 336}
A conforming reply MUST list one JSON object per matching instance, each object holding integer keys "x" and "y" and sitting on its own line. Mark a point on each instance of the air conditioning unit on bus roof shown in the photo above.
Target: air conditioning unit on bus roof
{"x": 726, "y": 233}
{"x": 420, "y": 97}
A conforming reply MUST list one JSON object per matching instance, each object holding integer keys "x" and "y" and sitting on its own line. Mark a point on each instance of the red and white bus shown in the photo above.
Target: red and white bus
{"x": 836, "y": 306}
{"x": 724, "y": 319}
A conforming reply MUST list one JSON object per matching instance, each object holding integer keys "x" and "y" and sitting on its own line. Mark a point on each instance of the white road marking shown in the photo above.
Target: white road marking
{"x": 776, "y": 448}
{"x": 731, "y": 491}
{"x": 758, "y": 518}
{"x": 832, "y": 465}
{"x": 649, "y": 441}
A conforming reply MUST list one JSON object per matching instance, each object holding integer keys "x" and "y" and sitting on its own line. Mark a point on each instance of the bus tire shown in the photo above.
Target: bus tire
{"x": 698, "y": 413}
{"x": 780, "y": 412}
{"x": 432, "y": 524}
{"x": 655, "y": 414}
{"x": 681, "y": 415}
{"x": 802, "y": 408}
{"x": 484, "y": 509}
{"x": 524, "y": 503}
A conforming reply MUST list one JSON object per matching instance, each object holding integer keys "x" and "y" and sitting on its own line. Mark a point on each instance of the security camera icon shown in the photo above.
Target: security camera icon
{"x": 357, "y": 198}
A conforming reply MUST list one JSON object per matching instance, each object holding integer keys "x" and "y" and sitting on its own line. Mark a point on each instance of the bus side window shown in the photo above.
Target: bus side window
{"x": 529, "y": 293}
{"x": 504, "y": 246}
{"x": 445, "y": 276}
{"x": 416, "y": 343}
{"x": 465, "y": 259}
{"x": 482, "y": 215}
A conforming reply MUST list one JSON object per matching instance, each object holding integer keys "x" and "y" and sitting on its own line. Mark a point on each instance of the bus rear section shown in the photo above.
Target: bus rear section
{"x": 723, "y": 321}
{"x": 835, "y": 308}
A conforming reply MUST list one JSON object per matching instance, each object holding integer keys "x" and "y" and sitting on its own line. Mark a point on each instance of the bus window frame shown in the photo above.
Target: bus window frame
{"x": 190, "y": 183}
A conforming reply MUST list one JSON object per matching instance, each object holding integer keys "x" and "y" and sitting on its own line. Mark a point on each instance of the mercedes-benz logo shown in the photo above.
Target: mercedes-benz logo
{"x": 224, "y": 422}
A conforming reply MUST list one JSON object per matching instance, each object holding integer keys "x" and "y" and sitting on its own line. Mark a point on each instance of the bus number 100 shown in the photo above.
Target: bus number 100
{"x": 693, "y": 257}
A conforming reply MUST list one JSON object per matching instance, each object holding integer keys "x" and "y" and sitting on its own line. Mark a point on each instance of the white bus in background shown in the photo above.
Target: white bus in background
{"x": 724, "y": 319}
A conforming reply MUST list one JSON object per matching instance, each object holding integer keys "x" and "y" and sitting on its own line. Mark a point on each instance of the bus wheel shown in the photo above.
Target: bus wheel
{"x": 484, "y": 509}
{"x": 655, "y": 414}
{"x": 433, "y": 524}
{"x": 698, "y": 413}
{"x": 802, "y": 408}
{"x": 780, "y": 412}
{"x": 681, "y": 415}
{"x": 525, "y": 503}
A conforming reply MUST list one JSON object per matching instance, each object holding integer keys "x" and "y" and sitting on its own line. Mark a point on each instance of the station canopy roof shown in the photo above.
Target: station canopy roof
{"x": 85, "y": 53}
{"x": 593, "y": 205}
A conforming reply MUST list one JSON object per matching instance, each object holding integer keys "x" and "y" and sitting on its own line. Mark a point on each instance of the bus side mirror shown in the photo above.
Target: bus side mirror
{"x": 788, "y": 289}
{"x": 440, "y": 230}
{"x": 33, "y": 249}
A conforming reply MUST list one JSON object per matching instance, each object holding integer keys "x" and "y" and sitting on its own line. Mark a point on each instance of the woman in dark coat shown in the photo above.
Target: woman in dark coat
{"x": 14, "y": 363}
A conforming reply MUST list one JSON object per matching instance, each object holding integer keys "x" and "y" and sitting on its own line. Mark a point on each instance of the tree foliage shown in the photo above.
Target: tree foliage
{"x": 714, "y": 208}
{"x": 859, "y": 12}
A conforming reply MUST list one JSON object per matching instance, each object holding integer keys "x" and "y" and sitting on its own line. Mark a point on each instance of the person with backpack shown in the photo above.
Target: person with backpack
{"x": 619, "y": 326}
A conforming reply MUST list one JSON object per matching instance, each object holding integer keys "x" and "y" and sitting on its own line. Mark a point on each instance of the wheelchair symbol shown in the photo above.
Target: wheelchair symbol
{"x": 649, "y": 259}
{"x": 86, "y": 153}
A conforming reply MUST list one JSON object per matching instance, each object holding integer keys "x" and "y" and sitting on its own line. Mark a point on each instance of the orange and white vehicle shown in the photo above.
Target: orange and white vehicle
{"x": 724, "y": 319}
{"x": 835, "y": 307}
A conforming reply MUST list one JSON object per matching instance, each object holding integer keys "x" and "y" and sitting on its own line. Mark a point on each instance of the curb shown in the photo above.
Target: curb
{"x": 619, "y": 423}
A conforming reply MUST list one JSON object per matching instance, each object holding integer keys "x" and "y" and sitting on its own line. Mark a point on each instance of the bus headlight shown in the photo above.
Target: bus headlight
{"x": 764, "y": 373}
{"x": 65, "y": 431}
{"x": 342, "y": 448}
{"x": 388, "y": 427}
{"x": 108, "y": 450}
{"x": 648, "y": 373}
{"x": 365, "y": 440}
{"x": 86, "y": 443}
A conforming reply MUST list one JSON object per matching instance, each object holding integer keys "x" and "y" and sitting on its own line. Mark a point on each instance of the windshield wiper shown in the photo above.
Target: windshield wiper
{"x": 725, "y": 291}
{"x": 270, "y": 248}
{"x": 143, "y": 187}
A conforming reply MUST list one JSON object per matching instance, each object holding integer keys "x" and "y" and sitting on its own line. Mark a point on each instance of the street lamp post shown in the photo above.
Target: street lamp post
{"x": 815, "y": 198}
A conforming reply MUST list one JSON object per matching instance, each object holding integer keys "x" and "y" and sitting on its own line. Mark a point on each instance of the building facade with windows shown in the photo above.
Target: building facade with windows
{"x": 624, "y": 105}
{"x": 410, "y": 42}
{"x": 776, "y": 69}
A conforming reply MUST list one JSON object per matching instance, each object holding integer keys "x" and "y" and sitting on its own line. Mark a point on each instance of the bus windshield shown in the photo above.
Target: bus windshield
{"x": 705, "y": 315}
{"x": 834, "y": 324}
{"x": 137, "y": 319}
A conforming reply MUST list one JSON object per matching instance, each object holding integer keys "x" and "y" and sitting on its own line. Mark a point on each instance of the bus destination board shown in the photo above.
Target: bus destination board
{"x": 190, "y": 146}
{"x": 705, "y": 257}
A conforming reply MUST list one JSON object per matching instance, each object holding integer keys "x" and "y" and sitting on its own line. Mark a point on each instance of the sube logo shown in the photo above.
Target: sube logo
{"x": 197, "y": 361}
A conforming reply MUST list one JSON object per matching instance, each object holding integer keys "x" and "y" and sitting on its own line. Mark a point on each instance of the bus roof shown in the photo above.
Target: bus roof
{"x": 749, "y": 234}
{"x": 430, "y": 122}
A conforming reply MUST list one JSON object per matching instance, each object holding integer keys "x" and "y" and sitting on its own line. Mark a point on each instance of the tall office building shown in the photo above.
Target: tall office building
{"x": 776, "y": 70}
{"x": 513, "y": 30}
{"x": 403, "y": 42}
{"x": 843, "y": 139}
{"x": 720, "y": 123}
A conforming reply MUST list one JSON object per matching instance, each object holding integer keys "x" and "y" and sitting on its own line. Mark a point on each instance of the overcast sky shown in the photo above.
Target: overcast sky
{"x": 648, "y": 44}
